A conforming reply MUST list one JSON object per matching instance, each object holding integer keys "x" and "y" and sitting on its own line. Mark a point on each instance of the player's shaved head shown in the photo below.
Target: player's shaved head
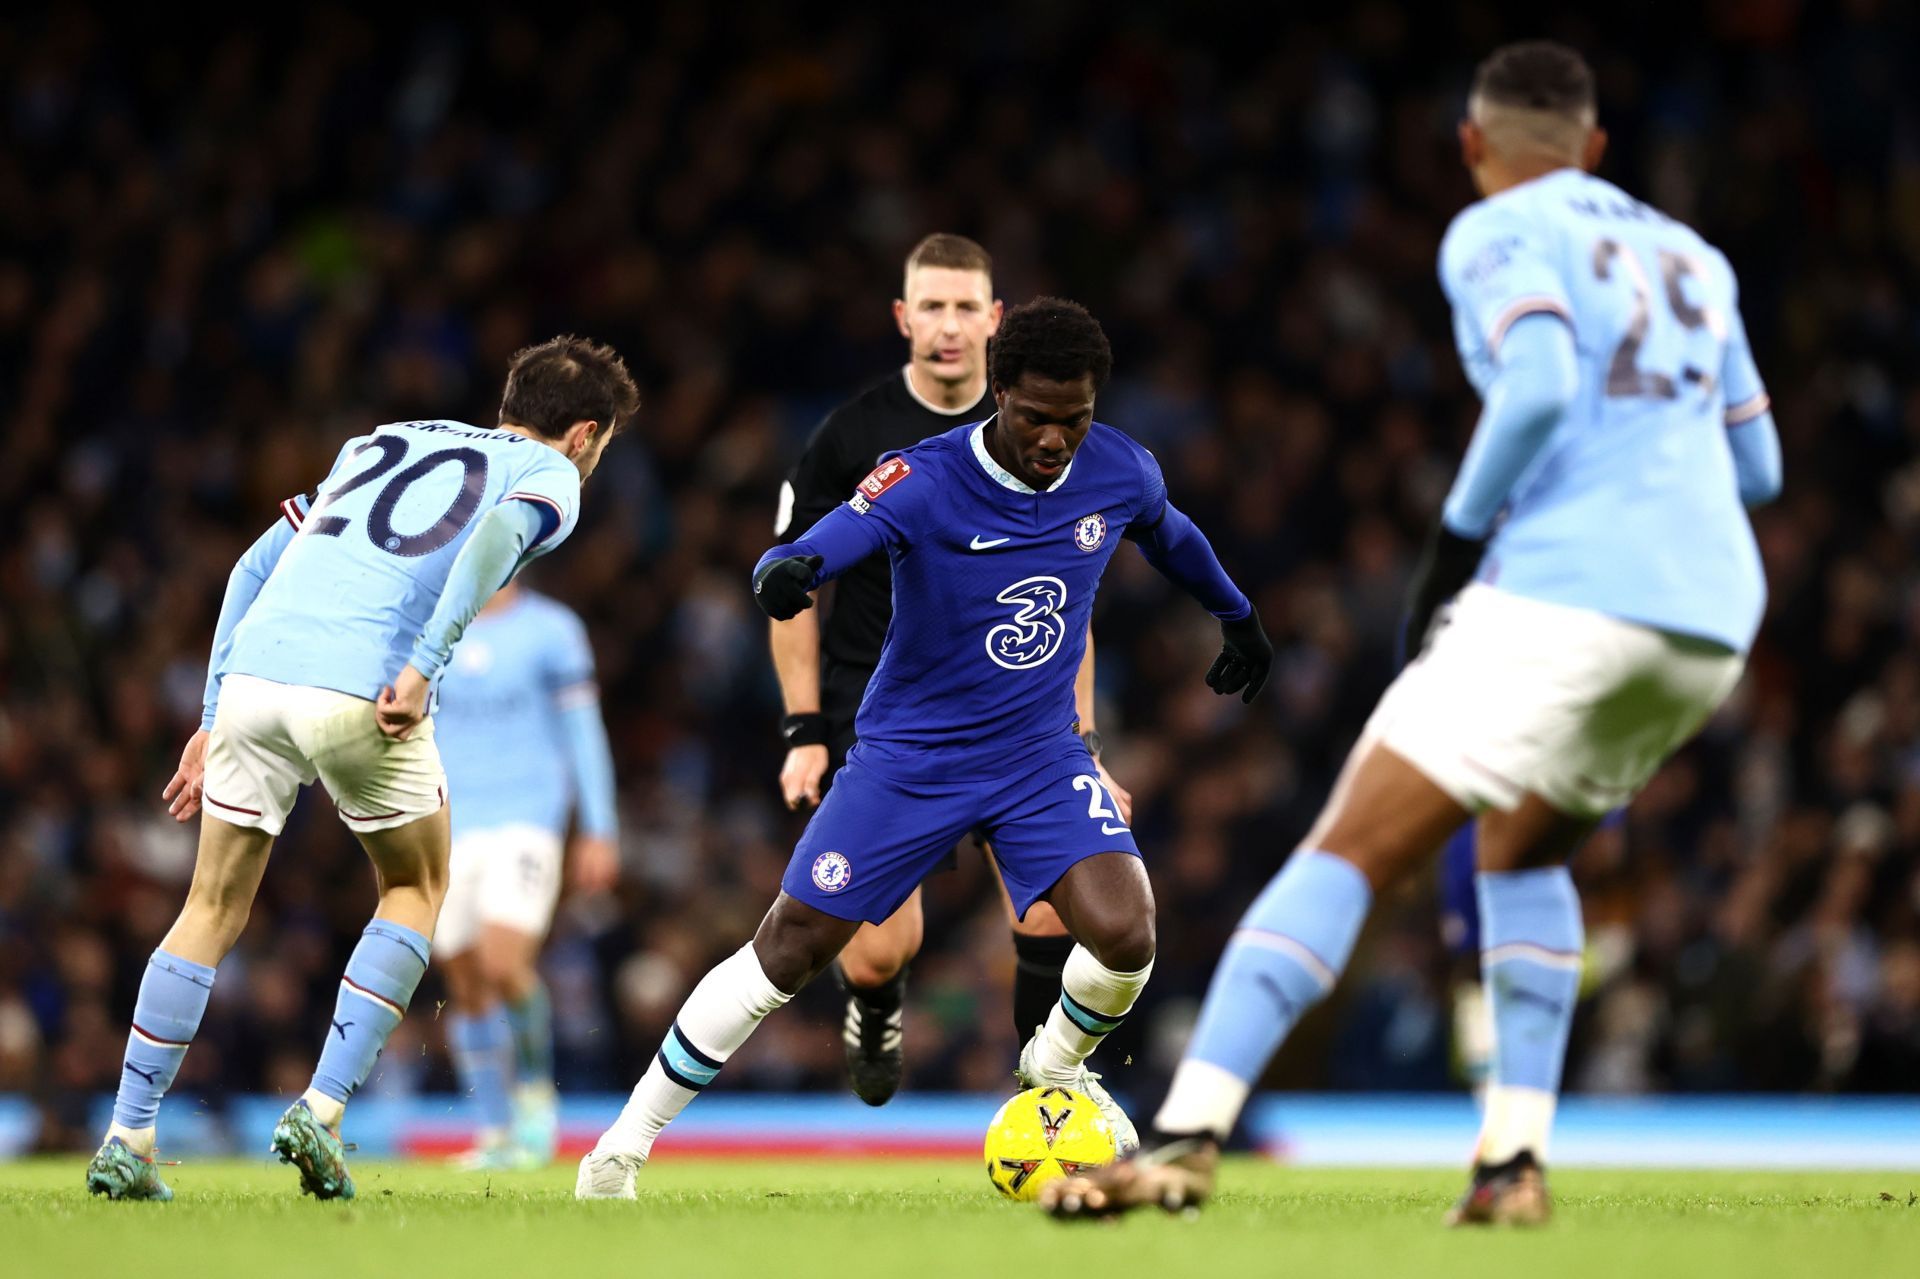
{"x": 1534, "y": 99}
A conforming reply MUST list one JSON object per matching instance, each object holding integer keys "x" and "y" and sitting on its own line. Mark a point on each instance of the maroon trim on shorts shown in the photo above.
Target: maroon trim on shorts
{"x": 231, "y": 808}
{"x": 377, "y": 817}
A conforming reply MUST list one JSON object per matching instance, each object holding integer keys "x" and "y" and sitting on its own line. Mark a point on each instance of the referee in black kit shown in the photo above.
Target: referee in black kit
{"x": 947, "y": 313}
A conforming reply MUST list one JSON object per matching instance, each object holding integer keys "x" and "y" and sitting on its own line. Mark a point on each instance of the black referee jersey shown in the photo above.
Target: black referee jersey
{"x": 845, "y": 446}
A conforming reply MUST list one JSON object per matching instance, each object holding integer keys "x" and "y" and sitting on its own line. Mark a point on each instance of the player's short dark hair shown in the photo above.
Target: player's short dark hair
{"x": 566, "y": 380}
{"x": 1537, "y": 75}
{"x": 954, "y": 252}
{"x": 1053, "y": 337}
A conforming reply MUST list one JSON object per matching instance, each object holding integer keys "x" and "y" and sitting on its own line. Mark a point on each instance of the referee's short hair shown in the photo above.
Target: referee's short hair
{"x": 954, "y": 252}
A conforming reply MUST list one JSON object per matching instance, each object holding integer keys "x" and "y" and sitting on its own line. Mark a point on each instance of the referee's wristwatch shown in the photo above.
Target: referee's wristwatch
{"x": 809, "y": 728}
{"x": 1092, "y": 738}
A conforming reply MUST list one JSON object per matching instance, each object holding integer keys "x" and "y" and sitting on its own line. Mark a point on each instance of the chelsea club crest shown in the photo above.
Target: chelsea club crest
{"x": 1090, "y": 532}
{"x": 832, "y": 872}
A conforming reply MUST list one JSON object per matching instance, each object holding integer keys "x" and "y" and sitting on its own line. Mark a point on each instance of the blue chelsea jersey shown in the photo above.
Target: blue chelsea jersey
{"x": 1632, "y": 506}
{"x": 993, "y": 587}
{"x": 360, "y": 580}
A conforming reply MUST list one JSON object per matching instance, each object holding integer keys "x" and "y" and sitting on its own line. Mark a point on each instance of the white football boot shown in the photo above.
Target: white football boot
{"x": 607, "y": 1174}
{"x": 1125, "y": 1139}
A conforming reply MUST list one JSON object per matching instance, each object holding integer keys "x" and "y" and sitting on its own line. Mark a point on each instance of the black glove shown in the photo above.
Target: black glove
{"x": 782, "y": 588}
{"x": 1246, "y": 655}
{"x": 1446, "y": 565}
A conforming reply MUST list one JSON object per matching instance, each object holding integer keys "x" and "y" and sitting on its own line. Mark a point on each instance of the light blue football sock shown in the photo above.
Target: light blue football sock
{"x": 1288, "y": 952}
{"x": 532, "y": 1021}
{"x": 173, "y": 996}
{"x": 380, "y": 979}
{"x": 1531, "y": 944}
{"x": 482, "y": 1061}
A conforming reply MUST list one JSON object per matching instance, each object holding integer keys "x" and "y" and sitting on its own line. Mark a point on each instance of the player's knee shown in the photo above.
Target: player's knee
{"x": 510, "y": 976}
{"x": 1124, "y": 945}
{"x": 871, "y": 966}
{"x": 795, "y": 943}
{"x": 221, "y": 908}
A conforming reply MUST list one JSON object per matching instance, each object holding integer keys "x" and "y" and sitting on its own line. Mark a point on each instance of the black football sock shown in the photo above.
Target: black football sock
{"x": 884, "y": 998}
{"x": 1038, "y": 972}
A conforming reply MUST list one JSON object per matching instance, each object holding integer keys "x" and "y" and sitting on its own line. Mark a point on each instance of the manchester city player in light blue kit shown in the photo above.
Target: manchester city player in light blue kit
{"x": 1600, "y": 518}
{"x": 525, "y": 748}
{"x": 337, "y": 624}
{"x": 998, "y": 533}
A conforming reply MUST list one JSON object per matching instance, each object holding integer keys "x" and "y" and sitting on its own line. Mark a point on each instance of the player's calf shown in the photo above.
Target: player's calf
{"x": 718, "y": 1017}
{"x": 1107, "y": 904}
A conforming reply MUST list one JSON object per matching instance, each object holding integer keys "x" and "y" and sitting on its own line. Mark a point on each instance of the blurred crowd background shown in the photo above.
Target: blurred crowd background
{"x": 221, "y": 254}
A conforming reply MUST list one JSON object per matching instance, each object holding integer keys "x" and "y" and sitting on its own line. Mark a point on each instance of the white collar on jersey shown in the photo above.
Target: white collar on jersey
{"x": 1001, "y": 475}
{"x": 906, "y": 375}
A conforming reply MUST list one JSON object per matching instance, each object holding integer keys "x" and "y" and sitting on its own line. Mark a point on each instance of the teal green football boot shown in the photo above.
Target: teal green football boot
{"x": 536, "y": 1125}
{"x": 119, "y": 1173}
{"x": 302, "y": 1140}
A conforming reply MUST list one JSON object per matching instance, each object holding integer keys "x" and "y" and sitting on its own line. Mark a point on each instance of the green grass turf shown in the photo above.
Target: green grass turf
{"x": 918, "y": 1220}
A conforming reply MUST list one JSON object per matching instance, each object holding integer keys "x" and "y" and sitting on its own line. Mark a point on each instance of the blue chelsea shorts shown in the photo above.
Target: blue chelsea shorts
{"x": 875, "y": 838}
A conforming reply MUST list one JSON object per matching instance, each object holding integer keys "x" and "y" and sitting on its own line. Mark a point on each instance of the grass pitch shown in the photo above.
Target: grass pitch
{"x": 919, "y": 1220}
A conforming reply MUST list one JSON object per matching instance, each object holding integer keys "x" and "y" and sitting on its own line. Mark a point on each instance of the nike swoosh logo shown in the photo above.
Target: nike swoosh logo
{"x": 1112, "y": 830}
{"x": 980, "y": 544}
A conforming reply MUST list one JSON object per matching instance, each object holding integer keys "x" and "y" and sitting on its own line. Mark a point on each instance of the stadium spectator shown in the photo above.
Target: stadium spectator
{"x": 218, "y": 260}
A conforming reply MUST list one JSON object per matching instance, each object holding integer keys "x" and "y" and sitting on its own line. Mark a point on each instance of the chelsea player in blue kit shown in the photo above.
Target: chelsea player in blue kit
{"x": 998, "y": 533}
{"x": 335, "y": 628}
{"x": 525, "y": 748}
{"x": 1604, "y": 585}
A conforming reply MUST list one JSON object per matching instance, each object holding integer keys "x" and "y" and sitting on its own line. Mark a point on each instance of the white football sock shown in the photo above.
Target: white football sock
{"x": 717, "y": 1018}
{"x": 1094, "y": 1001}
{"x": 1203, "y": 1098}
{"x": 1517, "y": 1119}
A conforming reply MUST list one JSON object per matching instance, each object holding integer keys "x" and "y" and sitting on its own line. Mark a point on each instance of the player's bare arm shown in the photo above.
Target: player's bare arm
{"x": 795, "y": 644}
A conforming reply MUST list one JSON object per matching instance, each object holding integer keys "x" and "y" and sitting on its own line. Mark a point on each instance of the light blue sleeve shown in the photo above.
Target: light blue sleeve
{"x": 250, "y": 573}
{"x": 1536, "y": 382}
{"x": 1750, "y": 430}
{"x": 550, "y": 484}
{"x": 591, "y": 759}
{"x": 576, "y": 699}
{"x": 1496, "y": 266}
{"x": 491, "y": 556}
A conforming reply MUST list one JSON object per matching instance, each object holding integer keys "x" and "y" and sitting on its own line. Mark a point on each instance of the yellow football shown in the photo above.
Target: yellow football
{"x": 1043, "y": 1134}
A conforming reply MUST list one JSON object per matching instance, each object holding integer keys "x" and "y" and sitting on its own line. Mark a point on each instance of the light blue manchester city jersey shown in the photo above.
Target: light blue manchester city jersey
{"x": 501, "y": 724}
{"x": 360, "y": 580}
{"x": 1632, "y": 507}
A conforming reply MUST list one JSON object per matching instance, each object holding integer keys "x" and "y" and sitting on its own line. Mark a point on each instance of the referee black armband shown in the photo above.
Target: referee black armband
{"x": 808, "y": 729}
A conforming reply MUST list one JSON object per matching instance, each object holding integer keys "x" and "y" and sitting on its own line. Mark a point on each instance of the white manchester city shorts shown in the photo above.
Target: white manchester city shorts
{"x": 508, "y": 876}
{"x": 1516, "y": 695}
{"x": 271, "y": 739}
